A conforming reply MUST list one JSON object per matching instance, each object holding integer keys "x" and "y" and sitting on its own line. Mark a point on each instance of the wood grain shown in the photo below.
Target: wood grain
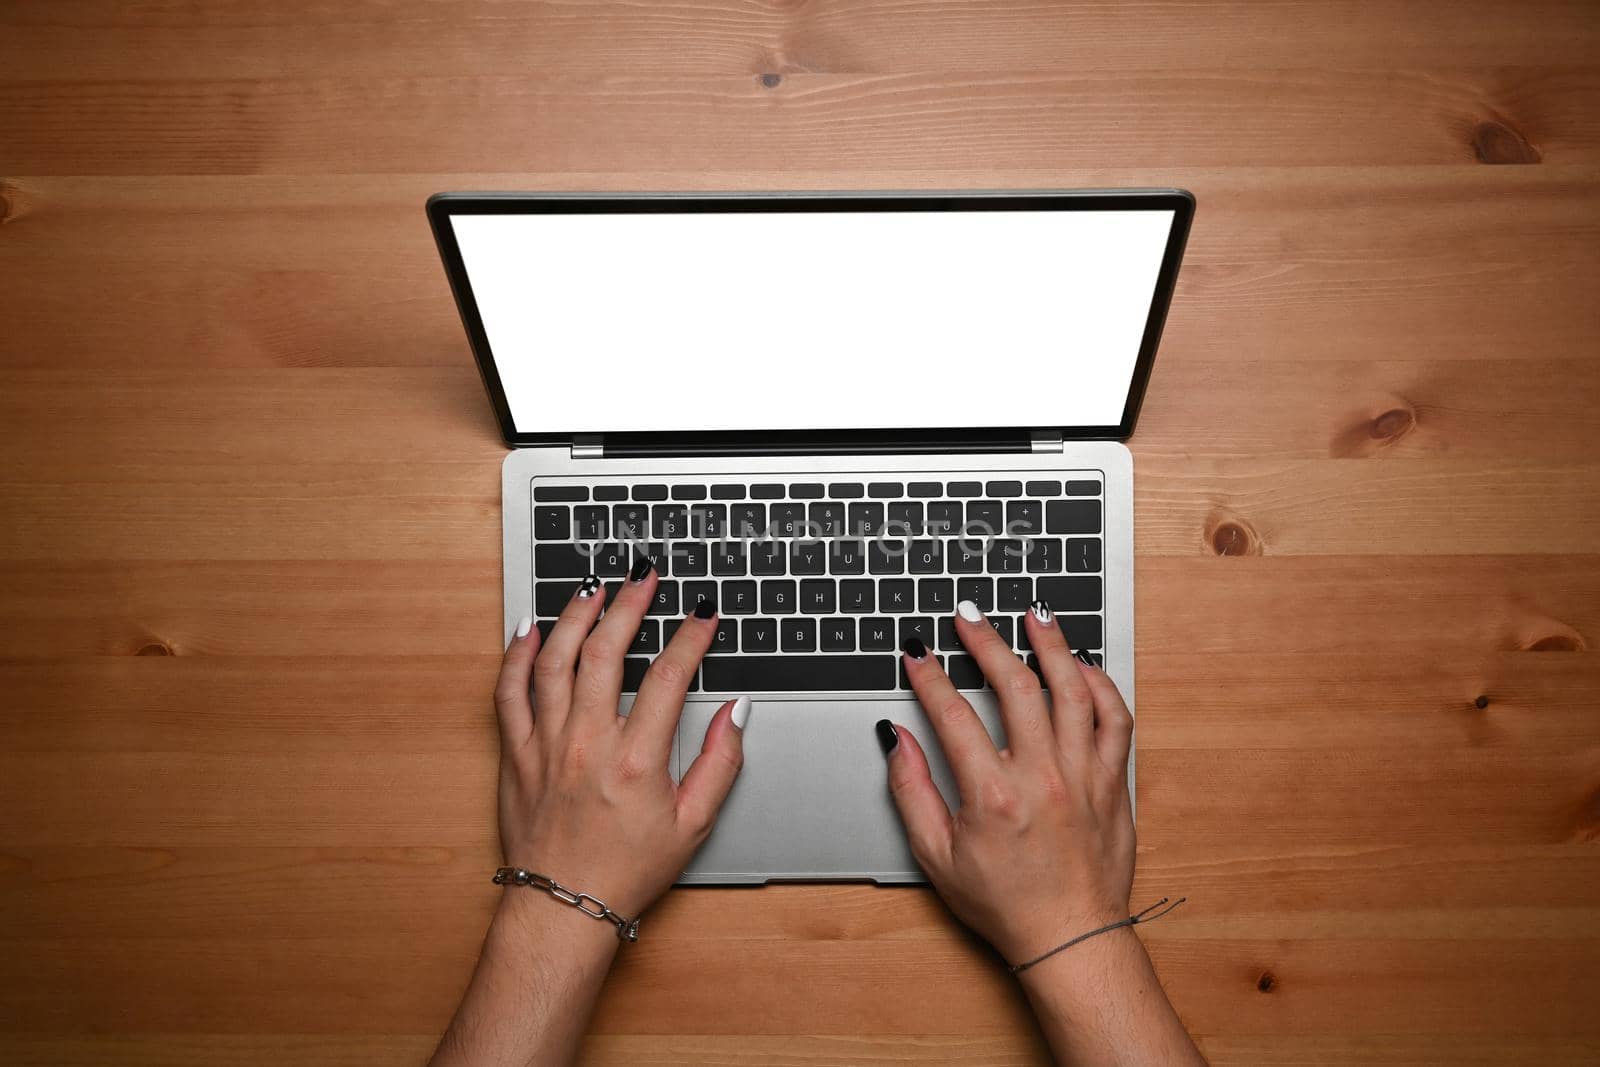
{"x": 249, "y": 531}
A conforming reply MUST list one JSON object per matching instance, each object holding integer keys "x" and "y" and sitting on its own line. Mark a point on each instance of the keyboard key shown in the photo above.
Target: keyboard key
{"x": 826, "y": 519}
{"x": 965, "y": 673}
{"x": 1024, "y": 517}
{"x": 648, "y": 639}
{"x": 788, "y": 520}
{"x": 694, "y": 592}
{"x": 945, "y": 626}
{"x": 866, "y": 519}
{"x": 708, "y": 521}
{"x": 905, "y": 681}
{"x": 612, "y": 589}
{"x": 838, "y": 635}
{"x": 886, "y": 557}
{"x": 965, "y": 489}
{"x": 1083, "y": 554}
{"x": 611, "y": 560}
{"x": 1004, "y": 489}
{"x": 805, "y": 491}
{"x": 905, "y": 518}
{"x": 857, "y": 597}
{"x": 766, "y": 491}
{"x": 926, "y": 557}
{"x": 759, "y": 635}
{"x": 724, "y": 491}
{"x": 728, "y": 560}
{"x": 918, "y": 626}
{"x": 985, "y": 518}
{"x": 546, "y": 627}
{"x": 777, "y": 597}
{"x": 883, "y": 490}
{"x": 726, "y": 637}
{"x": 1070, "y": 593}
{"x": 666, "y": 598}
{"x": 1044, "y": 555}
{"x": 593, "y": 522}
{"x": 1081, "y": 631}
{"x": 877, "y": 635}
{"x": 847, "y": 557}
{"x": 818, "y": 597}
{"x": 896, "y": 595}
{"x": 812, "y": 674}
{"x": 690, "y": 559}
{"x": 978, "y": 590}
{"x": 1006, "y": 557}
{"x": 769, "y": 558}
{"x": 688, "y": 492}
{"x": 808, "y": 557}
{"x": 925, "y": 489}
{"x": 1044, "y": 488}
{"x": 669, "y": 521}
{"x": 561, "y": 561}
{"x": 668, "y": 628}
{"x": 798, "y": 635}
{"x": 738, "y": 598}
{"x": 944, "y": 517}
{"x": 1002, "y": 626}
{"x": 633, "y": 671}
{"x": 963, "y": 557}
{"x": 611, "y": 492}
{"x": 1014, "y": 594}
{"x": 658, "y": 555}
{"x": 936, "y": 596}
{"x": 550, "y": 598}
{"x": 560, "y": 492}
{"x": 630, "y": 521}
{"x": 649, "y": 492}
{"x": 1073, "y": 516}
{"x": 552, "y": 523}
{"x": 1082, "y": 488}
{"x": 845, "y": 491}
{"x": 749, "y": 520}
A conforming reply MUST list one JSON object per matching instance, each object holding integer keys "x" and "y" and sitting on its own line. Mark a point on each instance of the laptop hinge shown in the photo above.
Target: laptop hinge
{"x": 1046, "y": 441}
{"x": 588, "y": 446}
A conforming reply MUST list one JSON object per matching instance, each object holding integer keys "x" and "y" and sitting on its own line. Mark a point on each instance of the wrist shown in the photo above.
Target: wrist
{"x": 1087, "y": 970}
{"x": 527, "y": 920}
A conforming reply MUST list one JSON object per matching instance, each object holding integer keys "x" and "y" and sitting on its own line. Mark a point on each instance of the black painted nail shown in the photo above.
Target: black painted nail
{"x": 888, "y": 736}
{"x": 1041, "y": 612}
{"x": 915, "y": 648}
{"x": 1083, "y": 657}
{"x": 590, "y": 586}
{"x": 705, "y": 609}
{"x": 641, "y": 568}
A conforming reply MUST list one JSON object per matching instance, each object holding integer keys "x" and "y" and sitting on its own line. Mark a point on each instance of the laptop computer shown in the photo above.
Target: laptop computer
{"x": 838, "y": 414}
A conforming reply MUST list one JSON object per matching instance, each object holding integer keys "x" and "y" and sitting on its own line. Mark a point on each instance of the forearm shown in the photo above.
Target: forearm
{"x": 1100, "y": 1003}
{"x": 534, "y": 988}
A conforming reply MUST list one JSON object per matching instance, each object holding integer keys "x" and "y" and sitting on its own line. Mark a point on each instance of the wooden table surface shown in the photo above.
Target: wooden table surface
{"x": 250, "y": 566}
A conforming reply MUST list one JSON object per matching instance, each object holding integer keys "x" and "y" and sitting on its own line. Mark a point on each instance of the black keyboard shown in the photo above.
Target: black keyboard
{"x": 816, "y": 583}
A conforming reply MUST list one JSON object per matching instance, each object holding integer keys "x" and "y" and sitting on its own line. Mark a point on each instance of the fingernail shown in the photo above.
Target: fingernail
{"x": 969, "y": 611}
{"x": 1041, "y": 612}
{"x": 888, "y": 736}
{"x": 590, "y": 586}
{"x": 1083, "y": 657}
{"x": 704, "y": 609}
{"x": 741, "y": 712}
{"x": 641, "y": 568}
{"x": 524, "y": 624}
{"x": 915, "y": 648}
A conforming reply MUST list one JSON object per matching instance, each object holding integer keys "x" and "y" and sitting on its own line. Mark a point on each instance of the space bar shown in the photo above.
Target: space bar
{"x": 797, "y": 673}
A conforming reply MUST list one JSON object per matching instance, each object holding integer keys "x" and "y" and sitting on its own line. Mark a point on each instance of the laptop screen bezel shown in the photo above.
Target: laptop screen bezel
{"x": 442, "y": 207}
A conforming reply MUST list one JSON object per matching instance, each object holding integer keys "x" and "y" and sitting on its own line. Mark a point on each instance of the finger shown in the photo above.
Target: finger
{"x": 967, "y": 745}
{"x": 557, "y": 662}
{"x": 653, "y": 719}
{"x": 922, "y": 809}
{"x": 1070, "y": 700}
{"x": 1022, "y": 704}
{"x": 1113, "y": 722}
{"x": 513, "y": 707}
{"x": 598, "y": 689}
{"x": 706, "y": 783}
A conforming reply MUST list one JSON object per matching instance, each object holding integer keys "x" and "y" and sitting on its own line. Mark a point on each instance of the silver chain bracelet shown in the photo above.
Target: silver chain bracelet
{"x": 594, "y": 907}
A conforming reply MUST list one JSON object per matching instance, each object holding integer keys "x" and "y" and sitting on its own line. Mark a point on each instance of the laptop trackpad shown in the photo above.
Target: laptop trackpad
{"x": 812, "y": 801}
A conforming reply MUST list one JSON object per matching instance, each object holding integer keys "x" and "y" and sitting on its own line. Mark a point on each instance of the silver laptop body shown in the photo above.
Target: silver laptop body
{"x": 806, "y": 608}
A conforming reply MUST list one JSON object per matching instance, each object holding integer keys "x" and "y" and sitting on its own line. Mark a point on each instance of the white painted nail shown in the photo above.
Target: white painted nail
{"x": 741, "y": 712}
{"x": 969, "y": 611}
{"x": 523, "y": 626}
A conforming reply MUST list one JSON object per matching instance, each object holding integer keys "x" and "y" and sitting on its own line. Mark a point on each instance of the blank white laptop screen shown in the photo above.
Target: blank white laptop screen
{"x": 814, "y": 320}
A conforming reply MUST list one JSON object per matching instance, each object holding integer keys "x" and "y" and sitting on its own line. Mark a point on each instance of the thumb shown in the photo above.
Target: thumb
{"x": 922, "y": 809}
{"x": 706, "y": 783}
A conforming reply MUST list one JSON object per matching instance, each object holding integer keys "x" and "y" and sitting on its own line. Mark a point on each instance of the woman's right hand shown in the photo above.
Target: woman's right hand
{"x": 1042, "y": 847}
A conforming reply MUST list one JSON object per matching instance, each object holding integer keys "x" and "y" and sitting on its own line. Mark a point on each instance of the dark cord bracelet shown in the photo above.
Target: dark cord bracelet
{"x": 1132, "y": 920}
{"x": 594, "y": 907}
